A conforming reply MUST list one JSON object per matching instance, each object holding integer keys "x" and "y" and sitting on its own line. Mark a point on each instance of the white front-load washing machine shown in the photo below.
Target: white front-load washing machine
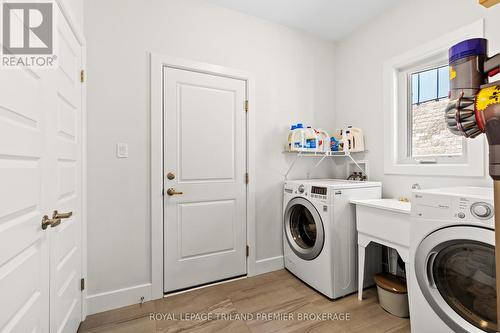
{"x": 452, "y": 254}
{"x": 320, "y": 240}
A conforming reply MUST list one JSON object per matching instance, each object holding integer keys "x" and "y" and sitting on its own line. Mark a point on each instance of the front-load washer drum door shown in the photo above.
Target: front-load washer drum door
{"x": 303, "y": 228}
{"x": 455, "y": 269}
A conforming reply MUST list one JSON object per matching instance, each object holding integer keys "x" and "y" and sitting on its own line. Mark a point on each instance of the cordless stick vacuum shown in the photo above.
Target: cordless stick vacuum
{"x": 474, "y": 108}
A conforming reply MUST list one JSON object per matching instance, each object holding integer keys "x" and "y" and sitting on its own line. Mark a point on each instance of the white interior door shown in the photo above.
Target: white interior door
{"x": 205, "y": 154}
{"x": 40, "y": 171}
{"x": 24, "y": 199}
{"x": 66, "y": 172}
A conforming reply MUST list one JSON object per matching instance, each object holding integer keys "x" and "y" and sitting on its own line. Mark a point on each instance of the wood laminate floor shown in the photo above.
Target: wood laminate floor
{"x": 277, "y": 293}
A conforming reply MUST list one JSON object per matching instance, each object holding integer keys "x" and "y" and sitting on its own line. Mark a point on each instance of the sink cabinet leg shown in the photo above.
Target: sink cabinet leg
{"x": 361, "y": 270}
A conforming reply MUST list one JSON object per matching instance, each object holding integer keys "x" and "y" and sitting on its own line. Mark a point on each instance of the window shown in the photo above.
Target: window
{"x": 415, "y": 90}
{"x": 428, "y": 135}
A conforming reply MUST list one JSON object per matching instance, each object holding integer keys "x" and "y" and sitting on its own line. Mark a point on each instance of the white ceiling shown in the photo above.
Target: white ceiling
{"x": 331, "y": 19}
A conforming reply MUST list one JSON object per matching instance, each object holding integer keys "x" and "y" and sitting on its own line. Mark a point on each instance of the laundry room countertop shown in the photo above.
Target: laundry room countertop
{"x": 386, "y": 204}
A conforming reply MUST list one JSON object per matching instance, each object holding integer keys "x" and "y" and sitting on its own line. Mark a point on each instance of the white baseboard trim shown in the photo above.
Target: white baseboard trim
{"x": 269, "y": 265}
{"x": 114, "y": 299}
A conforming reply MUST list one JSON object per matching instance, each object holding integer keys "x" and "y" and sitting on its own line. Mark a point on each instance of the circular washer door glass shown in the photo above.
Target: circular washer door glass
{"x": 304, "y": 229}
{"x": 464, "y": 274}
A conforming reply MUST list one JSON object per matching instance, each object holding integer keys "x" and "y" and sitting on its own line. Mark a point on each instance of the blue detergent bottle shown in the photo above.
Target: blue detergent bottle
{"x": 335, "y": 144}
{"x": 296, "y": 138}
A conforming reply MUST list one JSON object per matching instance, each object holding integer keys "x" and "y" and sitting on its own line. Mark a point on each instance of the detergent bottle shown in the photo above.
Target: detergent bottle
{"x": 311, "y": 139}
{"x": 296, "y": 138}
{"x": 346, "y": 143}
{"x": 337, "y": 140}
{"x": 335, "y": 144}
{"x": 323, "y": 140}
{"x": 356, "y": 139}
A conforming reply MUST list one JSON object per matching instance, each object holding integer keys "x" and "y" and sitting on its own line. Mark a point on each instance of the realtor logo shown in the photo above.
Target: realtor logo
{"x": 27, "y": 34}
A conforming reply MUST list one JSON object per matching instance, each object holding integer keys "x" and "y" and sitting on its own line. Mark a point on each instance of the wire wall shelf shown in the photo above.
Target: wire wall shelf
{"x": 323, "y": 155}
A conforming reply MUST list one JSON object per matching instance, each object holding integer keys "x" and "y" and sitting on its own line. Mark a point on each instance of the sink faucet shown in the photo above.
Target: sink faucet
{"x": 416, "y": 186}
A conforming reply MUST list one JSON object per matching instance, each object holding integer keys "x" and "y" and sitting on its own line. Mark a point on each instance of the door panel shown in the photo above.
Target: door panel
{"x": 222, "y": 222}
{"x": 23, "y": 175}
{"x": 20, "y": 288}
{"x": 65, "y": 264}
{"x": 40, "y": 171}
{"x": 205, "y": 147}
{"x": 24, "y": 255}
{"x": 197, "y": 164}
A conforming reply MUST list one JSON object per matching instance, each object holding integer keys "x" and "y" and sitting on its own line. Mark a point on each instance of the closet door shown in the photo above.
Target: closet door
{"x": 66, "y": 172}
{"x": 25, "y": 187}
{"x": 41, "y": 172}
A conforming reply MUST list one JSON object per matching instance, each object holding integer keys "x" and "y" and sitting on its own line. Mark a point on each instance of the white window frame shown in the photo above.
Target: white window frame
{"x": 396, "y": 105}
{"x": 405, "y": 126}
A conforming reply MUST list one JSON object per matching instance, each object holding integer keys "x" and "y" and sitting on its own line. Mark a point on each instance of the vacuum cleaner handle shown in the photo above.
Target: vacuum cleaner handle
{"x": 492, "y": 65}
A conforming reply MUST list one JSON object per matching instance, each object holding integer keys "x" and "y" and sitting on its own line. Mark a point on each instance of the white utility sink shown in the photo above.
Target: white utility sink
{"x": 382, "y": 221}
{"x": 386, "y": 204}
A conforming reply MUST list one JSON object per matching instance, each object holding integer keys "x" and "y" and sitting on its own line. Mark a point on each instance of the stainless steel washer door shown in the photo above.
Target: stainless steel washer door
{"x": 455, "y": 269}
{"x": 303, "y": 228}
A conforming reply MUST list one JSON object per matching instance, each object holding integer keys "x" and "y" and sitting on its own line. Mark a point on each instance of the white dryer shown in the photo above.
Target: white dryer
{"x": 320, "y": 242}
{"x": 452, "y": 254}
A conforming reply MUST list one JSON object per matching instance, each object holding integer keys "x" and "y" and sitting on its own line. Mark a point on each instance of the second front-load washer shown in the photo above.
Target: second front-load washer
{"x": 319, "y": 232}
{"x": 452, "y": 255}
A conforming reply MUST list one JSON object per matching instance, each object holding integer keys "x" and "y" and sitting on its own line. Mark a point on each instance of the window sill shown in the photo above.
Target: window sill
{"x": 474, "y": 166}
{"x": 450, "y": 170}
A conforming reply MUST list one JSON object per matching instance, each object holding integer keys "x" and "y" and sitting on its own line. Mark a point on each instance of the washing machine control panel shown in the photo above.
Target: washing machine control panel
{"x": 460, "y": 209}
{"x": 318, "y": 190}
{"x": 481, "y": 210}
{"x": 307, "y": 191}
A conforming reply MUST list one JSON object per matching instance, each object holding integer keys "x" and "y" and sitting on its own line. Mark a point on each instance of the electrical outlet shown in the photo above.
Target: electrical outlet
{"x": 121, "y": 150}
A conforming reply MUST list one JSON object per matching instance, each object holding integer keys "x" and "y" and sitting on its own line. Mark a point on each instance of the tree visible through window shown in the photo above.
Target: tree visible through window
{"x": 429, "y": 97}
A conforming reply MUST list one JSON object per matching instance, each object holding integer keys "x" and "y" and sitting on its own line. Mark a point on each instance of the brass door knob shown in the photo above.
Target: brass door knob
{"x": 170, "y": 176}
{"x": 171, "y": 191}
{"x": 46, "y": 222}
{"x": 57, "y": 215}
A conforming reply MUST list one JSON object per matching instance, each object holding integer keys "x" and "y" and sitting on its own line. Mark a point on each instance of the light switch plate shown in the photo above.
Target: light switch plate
{"x": 121, "y": 150}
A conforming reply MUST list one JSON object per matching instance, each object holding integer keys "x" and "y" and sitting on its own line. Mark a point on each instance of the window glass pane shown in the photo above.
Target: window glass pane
{"x": 428, "y": 85}
{"x": 414, "y": 85}
{"x": 429, "y": 134}
{"x": 444, "y": 82}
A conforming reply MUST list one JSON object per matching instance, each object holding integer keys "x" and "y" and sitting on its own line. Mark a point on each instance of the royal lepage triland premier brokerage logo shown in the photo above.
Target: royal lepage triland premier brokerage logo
{"x": 27, "y": 34}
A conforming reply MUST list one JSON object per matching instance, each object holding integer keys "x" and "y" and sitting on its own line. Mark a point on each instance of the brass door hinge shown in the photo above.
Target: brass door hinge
{"x": 82, "y": 284}
{"x": 247, "y": 178}
{"x": 246, "y": 106}
{"x": 248, "y": 250}
{"x": 82, "y": 76}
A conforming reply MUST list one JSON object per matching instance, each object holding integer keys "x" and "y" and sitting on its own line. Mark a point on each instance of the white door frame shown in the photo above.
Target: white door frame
{"x": 158, "y": 62}
{"x": 78, "y": 33}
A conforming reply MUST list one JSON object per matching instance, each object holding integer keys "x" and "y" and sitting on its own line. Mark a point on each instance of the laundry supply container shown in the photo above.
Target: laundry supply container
{"x": 392, "y": 294}
{"x": 312, "y": 142}
{"x": 296, "y": 138}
